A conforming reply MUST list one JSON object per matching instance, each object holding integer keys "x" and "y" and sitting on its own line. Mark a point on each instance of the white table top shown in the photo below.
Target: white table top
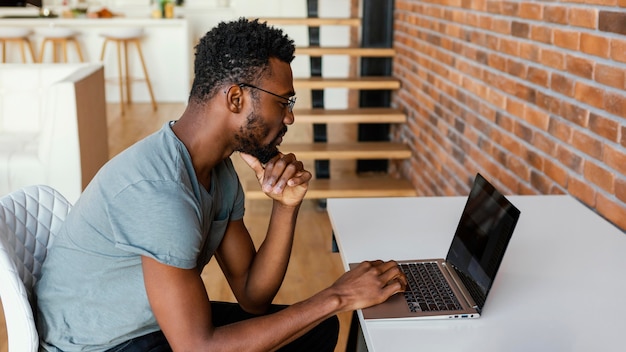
{"x": 537, "y": 302}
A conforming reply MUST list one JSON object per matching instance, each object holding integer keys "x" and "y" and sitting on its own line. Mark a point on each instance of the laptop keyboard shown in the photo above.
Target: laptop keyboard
{"x": 427, "y": 288}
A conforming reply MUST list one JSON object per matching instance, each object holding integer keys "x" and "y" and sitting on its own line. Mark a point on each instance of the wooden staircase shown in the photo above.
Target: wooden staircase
{"x": 347, "y": 184}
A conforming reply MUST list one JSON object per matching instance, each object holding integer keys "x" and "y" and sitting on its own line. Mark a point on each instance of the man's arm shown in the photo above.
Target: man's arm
{"x": 182, "y": 308}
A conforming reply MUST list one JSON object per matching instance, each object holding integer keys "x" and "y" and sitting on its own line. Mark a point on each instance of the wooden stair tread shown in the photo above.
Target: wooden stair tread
{"x": 349, "y": 187}
{"x": 312, "y": 21}
{"x": 350, "y": 51}
{"x": 363, "y": 82}
{"x": 354, "y": 150}
{"x": 354, "y": 115}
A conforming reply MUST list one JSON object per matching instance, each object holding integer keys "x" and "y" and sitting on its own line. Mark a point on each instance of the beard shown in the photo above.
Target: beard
{"x": 250, "y": 139}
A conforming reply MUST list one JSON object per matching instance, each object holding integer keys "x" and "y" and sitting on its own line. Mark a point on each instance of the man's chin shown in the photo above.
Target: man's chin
{"x": 265, "y": 156}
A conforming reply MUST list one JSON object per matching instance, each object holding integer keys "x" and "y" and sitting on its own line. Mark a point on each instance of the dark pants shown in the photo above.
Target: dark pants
{"x": 323, "y": 337}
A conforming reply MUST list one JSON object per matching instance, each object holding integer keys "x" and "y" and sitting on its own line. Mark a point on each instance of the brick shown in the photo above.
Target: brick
{"x": 537, "y": 76}
{"x": 620, "y": 189}
{"x": 615, "y": 158}
{"x": 579, "y": 66}
{"x": 510, "y": 9}
{"x": 535, "y": 159}
{"x": 523, "y": 131}
{"x": 531, "y": 11}
{"x": 582, "y": 190}
{"x": 569, "y": 159}
{"x": 518, "y": 167}
{"x": 599, "y": 175}
{"x": 604, "y": 127}
{"x": 515, "y": 107}
{"x": 497, "y": 62}
{"x": 548, "y": 102}
{"x": 540, "y": 182}
{"x": 529, "y": 51}
{"x": 595, "y": 45}
{"x": 587, "y": 144}
{"x": 583, "y": 17}
{"x": 510, "y": 47}
{"x": 555, "y": 172}
{"x": 559, "y": 129}
{"x": 516, "y": 68}
{"x": 555, "y": 14}
{"x": 544, "y": 143}
{"x": 501, "y": 26}
{"x": 537, "y": 118}
{"x": 542, "y": 34}
{"x": 613, "y": 211}
{"x": 623, "y": 141}
{"x": 574, "y": 113}
{"x": 614, "y": 22}
{"x": 562, "y": 84}
{"x": 567, "y": 39}
{"x": 590, "y": 95}
{"x": 618, "y": 50}
{"x": 615, "y": 103}
{"x": 520, "y": 29}
{"x": 552, "y": 58}
{"x": 610, "y": 75}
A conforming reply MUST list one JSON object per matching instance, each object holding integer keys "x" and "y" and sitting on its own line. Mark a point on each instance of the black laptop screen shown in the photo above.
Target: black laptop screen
{"x": 481, "y": 238}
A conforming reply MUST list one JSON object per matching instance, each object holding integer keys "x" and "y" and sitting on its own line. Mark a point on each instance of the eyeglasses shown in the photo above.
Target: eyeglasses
{"x": 291, "y": 101}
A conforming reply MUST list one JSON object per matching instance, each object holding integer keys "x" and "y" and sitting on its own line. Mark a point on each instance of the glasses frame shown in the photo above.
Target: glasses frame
{"x": 291, "y": 101}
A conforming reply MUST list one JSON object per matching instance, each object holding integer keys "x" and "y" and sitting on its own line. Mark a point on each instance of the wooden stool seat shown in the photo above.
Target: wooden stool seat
{"x": 122, "y": 37}
{"x": 17, "y": 35}
{"x": 59, "y": 36}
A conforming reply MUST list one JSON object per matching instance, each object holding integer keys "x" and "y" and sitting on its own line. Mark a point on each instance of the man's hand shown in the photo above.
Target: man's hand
{"x": 283, "y": 178}
{"x": 370, "y": 283}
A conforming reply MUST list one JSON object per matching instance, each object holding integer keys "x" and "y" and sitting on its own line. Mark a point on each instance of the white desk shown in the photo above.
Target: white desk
{"x": 536, "y": 303}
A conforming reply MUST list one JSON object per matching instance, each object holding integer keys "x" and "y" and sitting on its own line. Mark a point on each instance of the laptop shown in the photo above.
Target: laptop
{"x": 467, "y": 272}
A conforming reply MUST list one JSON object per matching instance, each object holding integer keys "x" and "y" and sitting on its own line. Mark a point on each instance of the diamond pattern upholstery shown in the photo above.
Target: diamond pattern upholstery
{"x": 30, "y": 218}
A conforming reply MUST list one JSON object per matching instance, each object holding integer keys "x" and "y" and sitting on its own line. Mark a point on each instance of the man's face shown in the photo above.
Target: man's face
{"x": 267, "y": 122}
{"x": 252, "y": 137}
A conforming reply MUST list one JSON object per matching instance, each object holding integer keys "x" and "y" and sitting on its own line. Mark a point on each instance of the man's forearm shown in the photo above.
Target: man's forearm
{"x": 270, "y": 263}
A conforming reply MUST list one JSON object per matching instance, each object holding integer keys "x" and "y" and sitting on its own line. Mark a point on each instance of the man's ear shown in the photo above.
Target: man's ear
{"x": 234, "y": 98}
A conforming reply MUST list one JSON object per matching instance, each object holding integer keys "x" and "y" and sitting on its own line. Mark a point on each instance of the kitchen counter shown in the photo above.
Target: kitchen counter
{"x": 167, "y": 48}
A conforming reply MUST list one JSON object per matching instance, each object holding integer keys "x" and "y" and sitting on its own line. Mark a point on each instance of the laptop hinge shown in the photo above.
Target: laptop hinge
{"x": 457, "y": 281}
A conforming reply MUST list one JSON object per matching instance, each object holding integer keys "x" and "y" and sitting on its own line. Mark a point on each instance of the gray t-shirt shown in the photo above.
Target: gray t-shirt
{"x": 144, "y": 202}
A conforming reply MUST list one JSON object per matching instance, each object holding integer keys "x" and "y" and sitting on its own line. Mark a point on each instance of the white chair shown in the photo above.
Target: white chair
{"x": 30, "y": 218}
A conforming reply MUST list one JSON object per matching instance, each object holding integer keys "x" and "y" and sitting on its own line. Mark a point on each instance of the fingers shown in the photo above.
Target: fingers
{"x": 281, "y": 174}
{"x": 284, "y": 171}
{"x": 254, "y": 164}
{"x": 390, "y": 275}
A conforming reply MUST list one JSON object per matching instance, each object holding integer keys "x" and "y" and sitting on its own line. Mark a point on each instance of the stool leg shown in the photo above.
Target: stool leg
{"x": 64, "y": 47}
{"x": 23, "y": 51}
{"x": 129, "y": 95}
{"x": 42, "y": 49}
{"x": 145, "y": 73}
{"x": 104, "y": 45}
{"x": 119, "y": 71}
{"x": 78, "y": 51}
{"x": 30, "y": 49}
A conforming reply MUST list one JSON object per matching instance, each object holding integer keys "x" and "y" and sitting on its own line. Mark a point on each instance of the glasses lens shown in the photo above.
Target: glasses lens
{"x": 292, "y": 102}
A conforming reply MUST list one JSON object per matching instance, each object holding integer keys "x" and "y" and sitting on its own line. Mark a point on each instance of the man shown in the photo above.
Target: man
{"x": 124, "y": 273}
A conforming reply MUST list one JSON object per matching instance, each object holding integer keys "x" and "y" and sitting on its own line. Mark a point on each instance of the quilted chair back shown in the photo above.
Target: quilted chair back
{"x": 30, "y": 218}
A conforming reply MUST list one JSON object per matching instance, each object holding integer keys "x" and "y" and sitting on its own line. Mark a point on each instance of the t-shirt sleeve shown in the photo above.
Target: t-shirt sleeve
{"x": 157, "y": 219}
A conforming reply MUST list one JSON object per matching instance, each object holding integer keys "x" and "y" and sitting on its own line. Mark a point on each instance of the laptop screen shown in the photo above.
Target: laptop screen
{"x": 481, "y": 238}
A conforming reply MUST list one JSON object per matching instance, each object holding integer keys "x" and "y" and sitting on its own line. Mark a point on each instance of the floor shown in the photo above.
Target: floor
{"x": 313, "y": 265}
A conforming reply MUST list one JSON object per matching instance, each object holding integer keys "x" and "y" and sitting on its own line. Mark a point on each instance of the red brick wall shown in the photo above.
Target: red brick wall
{"x": 529, "y": 93}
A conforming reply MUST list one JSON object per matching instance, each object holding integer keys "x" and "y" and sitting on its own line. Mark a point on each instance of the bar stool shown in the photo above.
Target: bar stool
{"x": 123, "y": 37}
{"x": 58, "y": 36}
{"x": 20, "y": 36}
